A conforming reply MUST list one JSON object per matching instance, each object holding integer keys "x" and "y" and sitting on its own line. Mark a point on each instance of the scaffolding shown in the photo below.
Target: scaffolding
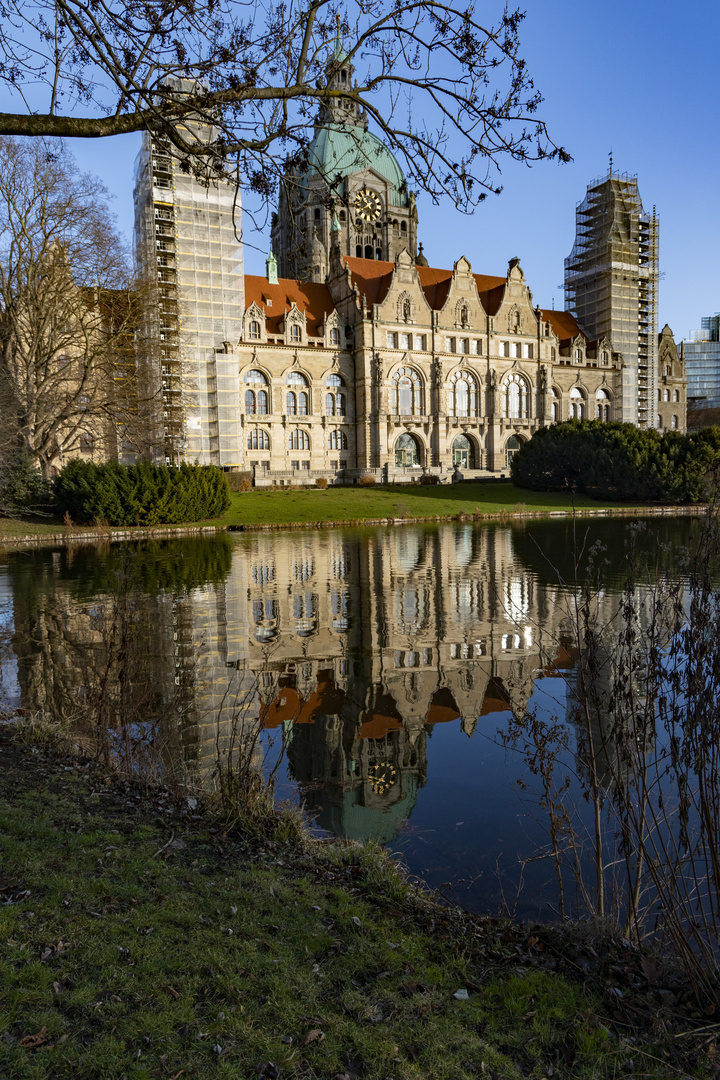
{"x": 188, "y": 252}
{"x": 611, "y": 284}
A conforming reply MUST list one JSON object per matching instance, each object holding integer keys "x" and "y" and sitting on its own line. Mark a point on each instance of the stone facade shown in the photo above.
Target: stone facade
{"x": 394, "y": 369}
{"x": 672, "y": 384}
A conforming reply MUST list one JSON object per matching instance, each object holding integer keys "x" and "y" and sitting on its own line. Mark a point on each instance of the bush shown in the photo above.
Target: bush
{"x": 321, "y": 482}
{"x": 429, "y": 478}
{"x": 366, "y": 481}
{"x": 23, "y": 488}
{"x": 141, "y": 494}
{"x": 620, "y": 461}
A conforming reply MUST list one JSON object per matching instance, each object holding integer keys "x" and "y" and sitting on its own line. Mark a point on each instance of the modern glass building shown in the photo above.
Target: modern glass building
{"x": 702, "y": 362}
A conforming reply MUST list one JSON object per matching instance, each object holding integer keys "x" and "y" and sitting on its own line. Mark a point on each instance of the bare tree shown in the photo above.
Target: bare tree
{"x": 449, "y": 92}
{"x": 66, "y": 309}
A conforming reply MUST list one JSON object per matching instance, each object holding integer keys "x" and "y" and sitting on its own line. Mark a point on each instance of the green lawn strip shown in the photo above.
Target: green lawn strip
{"x": 215, "y": 955}
{"x": 286, "y": 506}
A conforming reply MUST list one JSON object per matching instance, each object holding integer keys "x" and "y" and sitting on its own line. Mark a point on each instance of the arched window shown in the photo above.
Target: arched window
{"x": 87, "y": 443}
{"x": 463, "y": 396}
{"x": 605, "y": 359}
{"x": 296, "y": 378}
{"x": 335, "y": 398}
{"x": 577, "y": 404}
{"x": 407, "y": 451}
{"x": 303, "y": 403}
{"x": 316, "y": 213}
{"x": 255, "y": 376}
{"x": 254, "y": 330}
{"x": 511, "y": 448}
{"x": 291, "y": 403}
{"x": 298, "y": 439}
{"x": 515, "y": 397}
{"x": 666, "y": 395}
{"x": 659, "y": 395}
{"x": 674, "y": 423}
{"x": 463, "y": 453}
{"x": 262, "y": 402}
{"x": 406, "y": 393}
{"x": 258, "y": 439}
{"x": 676, "y": 395}
{"x": 602, "y": 405}
{"x": 553, "y": 354}
{"x": 555, "y": 406}
{"x": 295, "y": 332}
{"x": 334, "y": 335}
{"x": 249, "y": 401}
{"x": 659, "y": 421}
{"x": 403, "y": 227}
{"x": 341, "y": 215}
{"x": 369, "y": 253}
{"x": 337, "y": 440}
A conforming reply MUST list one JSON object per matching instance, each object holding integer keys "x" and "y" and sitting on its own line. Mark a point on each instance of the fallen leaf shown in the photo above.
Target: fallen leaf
{"x": 313, "y": 1036}
{"x": 171, "y": 990}
{"x": 356, "y": 921}
{"x": 31, "y": 1041}
{"x": 413, "y": 1053}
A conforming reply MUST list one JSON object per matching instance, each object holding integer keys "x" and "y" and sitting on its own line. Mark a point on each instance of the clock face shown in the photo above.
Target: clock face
{"x": 367, "y": 205}
{"x": 382, "y": 777}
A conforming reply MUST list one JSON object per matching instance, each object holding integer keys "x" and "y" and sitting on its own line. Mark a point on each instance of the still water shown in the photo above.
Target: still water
{"x": 382, "y": 665}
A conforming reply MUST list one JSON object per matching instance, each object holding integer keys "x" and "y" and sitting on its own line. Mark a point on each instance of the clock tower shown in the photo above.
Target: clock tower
{"x": 353, "y": 191}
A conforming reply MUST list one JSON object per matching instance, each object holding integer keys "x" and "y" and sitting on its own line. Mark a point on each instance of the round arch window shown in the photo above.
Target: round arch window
{"x": 407, "y": 452}
{"x": 511, "y": 448}
{"x": 463, "y": 453}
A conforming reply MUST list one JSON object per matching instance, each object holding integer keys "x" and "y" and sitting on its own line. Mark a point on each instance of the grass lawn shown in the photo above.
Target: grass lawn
{"x": 392, "y": 501}
{"x": 140, "y": 941}
{"x": 285, "y": 506}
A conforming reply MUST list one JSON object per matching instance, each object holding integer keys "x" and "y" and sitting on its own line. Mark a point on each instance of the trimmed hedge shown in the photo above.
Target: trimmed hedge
{"x": 619, "y": 461}
{"x": 142, "y": 494}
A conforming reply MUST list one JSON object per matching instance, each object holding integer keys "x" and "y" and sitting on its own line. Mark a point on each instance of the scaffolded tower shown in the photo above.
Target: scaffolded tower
{"x": 189, "y": 255}
{"x": 611, "y": 285}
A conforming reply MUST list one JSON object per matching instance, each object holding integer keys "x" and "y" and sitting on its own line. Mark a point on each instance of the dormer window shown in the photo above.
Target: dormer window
{"x": 334, "y": 336}
{"x": 254, "y": 330}
{"x": 295, "y": 333}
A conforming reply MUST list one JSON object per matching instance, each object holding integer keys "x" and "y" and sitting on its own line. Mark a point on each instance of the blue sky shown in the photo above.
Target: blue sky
{"x": 637, "y": 77}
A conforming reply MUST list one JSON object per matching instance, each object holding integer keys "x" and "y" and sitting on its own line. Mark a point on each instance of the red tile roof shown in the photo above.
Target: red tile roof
{"x": 562, "y": 323}
{"x": 373, "y": 277}
{"x": 313, "y": 299}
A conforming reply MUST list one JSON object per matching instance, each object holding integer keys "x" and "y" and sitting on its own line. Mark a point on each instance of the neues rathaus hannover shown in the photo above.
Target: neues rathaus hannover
{"x": 353, "y": 357}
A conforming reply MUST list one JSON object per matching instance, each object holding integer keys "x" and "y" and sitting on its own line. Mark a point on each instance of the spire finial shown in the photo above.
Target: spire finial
{"x": 611, "y": 162}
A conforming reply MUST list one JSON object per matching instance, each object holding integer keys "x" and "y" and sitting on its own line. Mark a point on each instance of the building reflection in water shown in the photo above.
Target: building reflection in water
{"x": 354, "y": 645}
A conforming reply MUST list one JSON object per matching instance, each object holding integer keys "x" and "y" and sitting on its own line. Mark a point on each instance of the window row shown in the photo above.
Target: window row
{"x": 255, "y": 332}
{"x": 259, "y": 439}
{"x": 674, "y": 422}
{"x": 296, "y": 404}
{"x": 664, "y": 395}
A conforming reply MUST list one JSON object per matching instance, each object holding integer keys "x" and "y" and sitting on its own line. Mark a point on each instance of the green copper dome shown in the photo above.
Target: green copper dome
{"x": 338, "y": 150}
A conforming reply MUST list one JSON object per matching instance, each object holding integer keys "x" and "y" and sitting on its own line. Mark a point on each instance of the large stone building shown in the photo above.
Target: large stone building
{"x": 394, "y": 368}
{"x": 352, "y": 356}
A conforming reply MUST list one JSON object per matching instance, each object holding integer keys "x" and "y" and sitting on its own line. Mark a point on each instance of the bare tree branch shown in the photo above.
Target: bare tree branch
{"x": 450, "y": 91}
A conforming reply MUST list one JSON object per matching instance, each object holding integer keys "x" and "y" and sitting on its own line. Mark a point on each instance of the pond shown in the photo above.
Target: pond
{"x": 383, "y": 667}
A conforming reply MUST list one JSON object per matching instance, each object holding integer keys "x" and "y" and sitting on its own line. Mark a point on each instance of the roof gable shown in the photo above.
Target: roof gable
{"x": 310, "y": 298}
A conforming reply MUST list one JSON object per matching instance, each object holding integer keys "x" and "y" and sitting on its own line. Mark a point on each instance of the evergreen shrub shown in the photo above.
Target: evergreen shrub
{"x": 621, "y": 462}
{"x": 142, "y": 494}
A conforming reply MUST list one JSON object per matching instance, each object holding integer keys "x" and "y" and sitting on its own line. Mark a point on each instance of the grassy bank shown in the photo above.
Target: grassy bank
{"x": 140, "y": 940}
{"x": 285, "y": 506}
